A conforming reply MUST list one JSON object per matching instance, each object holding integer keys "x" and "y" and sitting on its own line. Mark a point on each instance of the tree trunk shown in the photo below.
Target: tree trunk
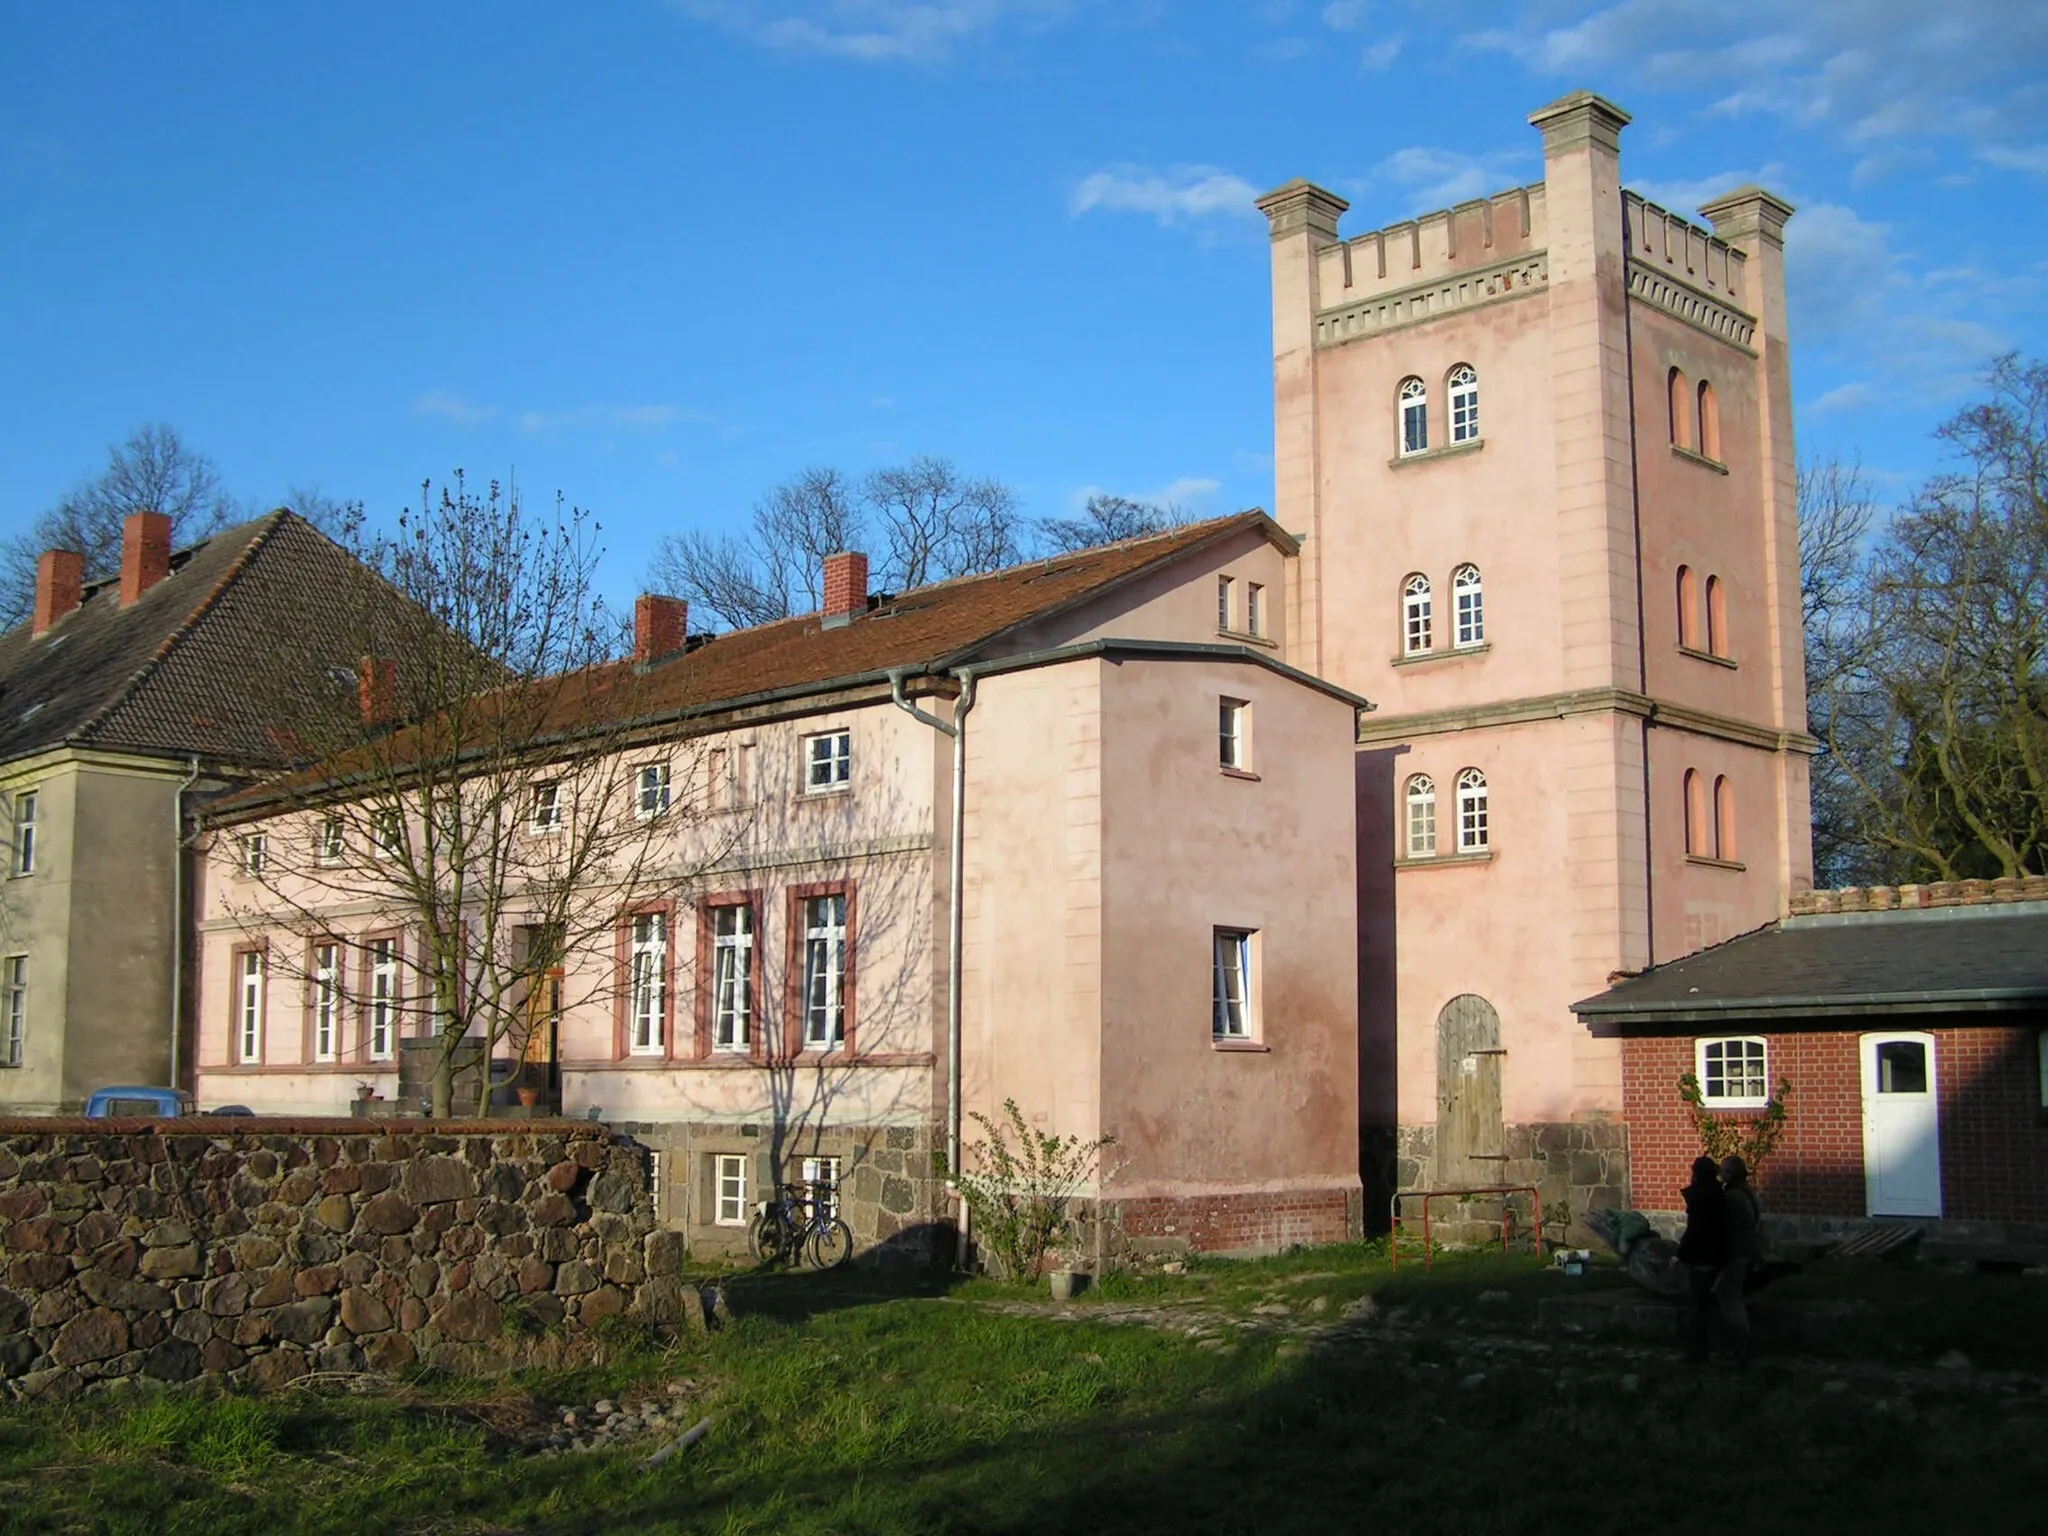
{"x": 444, "y": 1086}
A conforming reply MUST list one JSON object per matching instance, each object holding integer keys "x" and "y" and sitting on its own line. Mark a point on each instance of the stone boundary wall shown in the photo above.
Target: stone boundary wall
{"x": 258, "y": 1250}
{"x": 1582, "y": 1162}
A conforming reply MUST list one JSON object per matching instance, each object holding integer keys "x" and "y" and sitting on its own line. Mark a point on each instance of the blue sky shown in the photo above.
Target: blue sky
{"x": 660, "y": 254}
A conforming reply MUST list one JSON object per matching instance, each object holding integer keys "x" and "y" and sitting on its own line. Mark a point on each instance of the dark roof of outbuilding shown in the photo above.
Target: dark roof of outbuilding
{"x": 1842, "y": 965}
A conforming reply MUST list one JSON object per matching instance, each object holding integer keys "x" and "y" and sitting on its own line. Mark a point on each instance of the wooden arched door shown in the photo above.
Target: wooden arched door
{"x": 1468, "y": 1063}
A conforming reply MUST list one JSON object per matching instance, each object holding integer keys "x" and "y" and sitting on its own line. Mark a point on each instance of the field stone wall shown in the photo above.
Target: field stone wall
{"x": 258, "y": 1251}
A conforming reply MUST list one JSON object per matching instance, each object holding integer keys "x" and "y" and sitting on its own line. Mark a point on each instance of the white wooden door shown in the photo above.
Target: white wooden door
{"x": 1901, "y": 1128}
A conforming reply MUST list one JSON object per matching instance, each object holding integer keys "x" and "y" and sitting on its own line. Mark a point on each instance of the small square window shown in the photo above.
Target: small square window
{"x": 652, "y": 799}
{"x": 1233, "y": 734}
{"x": 828, "y": 761}
{"x": 546, "y": 814}
{"x": 1733, "y": 1074}
{"x": 389, "y": 832}
{"x": 330, "y": 844}
{"x": 1231, "y": 992}
{"x": 729, "y": 1189}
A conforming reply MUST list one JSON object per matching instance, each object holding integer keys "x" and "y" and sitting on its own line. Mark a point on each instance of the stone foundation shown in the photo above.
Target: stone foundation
{"x": 1239, "y": 1222}
{"x": 1584, "y": 1162}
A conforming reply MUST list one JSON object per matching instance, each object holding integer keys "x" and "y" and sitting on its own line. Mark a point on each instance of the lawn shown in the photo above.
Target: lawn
{"x": 844, "y": 1408}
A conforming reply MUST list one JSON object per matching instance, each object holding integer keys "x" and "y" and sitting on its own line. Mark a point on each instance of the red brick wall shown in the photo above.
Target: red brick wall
{"x": 1223, "y": 1223}
{"x": 1994, "y": 1132}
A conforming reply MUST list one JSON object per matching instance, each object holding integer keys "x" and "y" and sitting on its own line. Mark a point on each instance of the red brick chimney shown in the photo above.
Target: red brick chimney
{"x": 145, "y": 553}
{"x": 661, "y": 625}
{"x": 60, "y": 578}
{"x": 377, "y": 690}
{"x": 846, "y": 586}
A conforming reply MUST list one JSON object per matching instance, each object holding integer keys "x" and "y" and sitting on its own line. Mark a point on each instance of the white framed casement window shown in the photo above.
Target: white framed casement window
{"x": 13, "y": 1009}
{"x": 824, "y": 972}
{"x": 1226, "y": 601}
{"x": 22, "y": 856}
{"x": 330, "y": 843}
{"x": 1473, "y": 834}
{"x": 1233, "y": 735}
{"x": 1414, "y": 416}
{"x": 1417, "y": 615}
{"x": 387, "y": 832}
{"x": 729, "y": 1189}
{"x": 249, "y": 1007}
{"x": 647, "y": 984}
{"x": 1231, "y": 987}
{"x": 828, "y": 762}
{"x": 1468, "y": 605}
{"x": 326, "y": 984}
{"x": 732, "y": 977}
{"x": 255, "y": 854}
{"x": 1254, "y": 608}
{"x": 651, "y": 798}
{"x": 1733, "y": 1072}
{"x": 1464, "y": 401}
{"x": 821, "y": 1177}
{"x": 381, "y": 1006}
{"x": 1420, "y": 820}
{"x": 545, "y": 808}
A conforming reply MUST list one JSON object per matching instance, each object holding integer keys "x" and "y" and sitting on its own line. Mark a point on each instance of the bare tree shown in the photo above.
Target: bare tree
{"x": 1836, "y": 513}
{"x": 153, "y": 471}
{"x": 932, "y": 522}
{"x": 1939, "y": 717}
{"x": 1109, "y": 520}
{"x": 481, "y": 800}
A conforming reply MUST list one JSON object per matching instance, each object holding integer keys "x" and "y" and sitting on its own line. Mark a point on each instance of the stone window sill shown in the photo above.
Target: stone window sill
{"x": 1429, "y": 455}
{"x": 1254, "y": 1046}
{"x": 1713, "y": 863}
{"x": 1246, "y": 637}
{"x": 1443, "y": 860}
{"x": 1240, "y": 773}
{"x": 1456, "y": 653}
{"x": 1708, "y": 656}
{"x": 1698, "y": 458}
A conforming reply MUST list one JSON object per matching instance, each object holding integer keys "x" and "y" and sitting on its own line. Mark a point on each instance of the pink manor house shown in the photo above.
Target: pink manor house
{"x": 1119, "y": 836}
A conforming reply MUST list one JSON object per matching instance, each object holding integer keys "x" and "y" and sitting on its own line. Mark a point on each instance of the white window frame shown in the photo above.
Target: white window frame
{"x": 330, "y": 843}
{"x": 1254, "y": 609}
{"x": 647, "y": 983}
{"x": 1468, "y": 607}
{"x": 544, "y": 807}
{"x": 729, "y": 1189}
{"x": 732, "y": 977}
{"x": 1232, "y": 983}
{"x": 13, "y": 1009}
{"x": 1463, "y": 392}
{"x": 27, "y": 802}
{"x": 828, "y": 762}
{"x": 1418, "y": 616}
{"x": 251, "y": 976}
{"x": 1418, "y": 819}
{"x": 651, "y": 791}
{"x": 824, "y": 996}
{"x": 1710, "y": 1063}
{"x": 1414, "y": 417}
{"x": 821, "y": 1178}
{"x": 1226, "y": 603}
{"x": 1233, "y": 735}
{"x": 381, "y": 1006}
{"x": 1475, "y": 832}
{"x": 387, "y": 834}
{"x": 255, "y": 854}
{"x": 326, "y": 981}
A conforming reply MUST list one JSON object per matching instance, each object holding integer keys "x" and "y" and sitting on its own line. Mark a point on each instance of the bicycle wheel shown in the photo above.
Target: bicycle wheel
{"x": 767, "y": 1237}
{"x": 831, "y": 1243}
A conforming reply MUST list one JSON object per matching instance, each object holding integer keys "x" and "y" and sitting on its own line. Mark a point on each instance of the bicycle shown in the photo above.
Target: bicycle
{"x": 797, "y": 1224}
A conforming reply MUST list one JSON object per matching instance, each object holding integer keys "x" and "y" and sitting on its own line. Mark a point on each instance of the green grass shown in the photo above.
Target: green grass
{"x": 843, "y": 1408}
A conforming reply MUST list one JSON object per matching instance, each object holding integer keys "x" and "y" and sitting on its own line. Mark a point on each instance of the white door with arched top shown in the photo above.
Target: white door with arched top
{"x": 1901, "y": 1126}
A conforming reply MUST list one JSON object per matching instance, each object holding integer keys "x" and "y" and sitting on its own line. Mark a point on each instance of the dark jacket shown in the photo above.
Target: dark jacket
{"x": 1745, "y": 1222}
{"x": 1705, "y": 1239}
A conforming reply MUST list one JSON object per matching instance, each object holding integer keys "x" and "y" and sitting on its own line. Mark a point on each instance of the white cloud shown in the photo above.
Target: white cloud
{"x": 1846, "y": 397}
{"x": 870, "y": 31}
{"x": 449, "y": 406}
{"x": 1686, "y": 196}
{"x": 1185, "y": 493}
{"x": 1345, "y": 15}
{"x": 2032, "y": 157}
{"x": 1435, "y": 178}
{"x": 1182, "y": 195}
{"x": 1381, "y": 55}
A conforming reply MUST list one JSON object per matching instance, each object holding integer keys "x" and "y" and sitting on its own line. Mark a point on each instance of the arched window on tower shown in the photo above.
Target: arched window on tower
{"x": 1469, "y": 606}
{"x": 1698, "y": 833}
{"x": 1710, "y": 423}
{"x": 1724, "y": 819}
{"x": 1472, "y": 829}
{"x": 1464, "y": 401}
{"x": 1681, "y": 410}
{"x": 1417, "y": 628}
{"x": 1717, "y": 618}
{"x": 1688, "y": 609}
{"x": 1420, "y": 817}
{"x": 1414, "y": 416}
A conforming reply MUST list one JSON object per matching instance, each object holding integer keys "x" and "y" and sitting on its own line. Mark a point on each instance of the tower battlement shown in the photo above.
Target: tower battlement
{"x": 1450, "y": 242}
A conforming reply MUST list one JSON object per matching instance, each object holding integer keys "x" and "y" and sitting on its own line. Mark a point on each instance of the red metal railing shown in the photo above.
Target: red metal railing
{"x": 1506, "y": 1216}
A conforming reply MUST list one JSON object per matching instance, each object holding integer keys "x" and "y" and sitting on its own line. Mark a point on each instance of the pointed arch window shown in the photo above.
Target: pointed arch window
{"x": 1464, "y": 403}
{"x": 1414, "y": 415}
{"x": 1417, "y": 613}
{"x": 1420, "y": 801}
{"x": 1472, "y": 818}
{"x": 1681, "y": 409}
{"x": 1469, "y": 607}
{"x": 1688, "y": 609}
{"x": 1724, "y": 819}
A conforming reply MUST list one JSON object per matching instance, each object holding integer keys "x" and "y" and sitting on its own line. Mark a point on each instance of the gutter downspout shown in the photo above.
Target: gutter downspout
{"x": 177, "y": 910}
{"x": 955, "y": 903}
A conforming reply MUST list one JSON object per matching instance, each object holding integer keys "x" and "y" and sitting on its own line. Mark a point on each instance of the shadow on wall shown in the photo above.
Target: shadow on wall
{"x": 1379, "y": 1062}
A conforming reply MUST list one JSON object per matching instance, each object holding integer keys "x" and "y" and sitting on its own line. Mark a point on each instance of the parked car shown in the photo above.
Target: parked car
{"x": 147, "y": 1103}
